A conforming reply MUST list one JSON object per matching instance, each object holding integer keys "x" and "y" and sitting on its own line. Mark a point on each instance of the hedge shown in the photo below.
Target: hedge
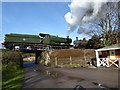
{"x": 10, "y": 56}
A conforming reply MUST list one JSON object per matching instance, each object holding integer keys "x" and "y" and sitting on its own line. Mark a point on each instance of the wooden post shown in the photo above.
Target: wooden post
{"x": 84, "y": 55}
{"x": 56, "y": 61}
{"x": 70, "y": 60}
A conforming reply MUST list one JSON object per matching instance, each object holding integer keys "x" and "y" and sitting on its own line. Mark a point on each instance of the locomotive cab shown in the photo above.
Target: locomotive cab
{"x": 45, "y": 38}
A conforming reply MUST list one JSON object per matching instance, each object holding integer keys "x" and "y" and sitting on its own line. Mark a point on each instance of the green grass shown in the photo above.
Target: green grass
{"x": 12, "y": 76}
{"x": 78, "y": 64}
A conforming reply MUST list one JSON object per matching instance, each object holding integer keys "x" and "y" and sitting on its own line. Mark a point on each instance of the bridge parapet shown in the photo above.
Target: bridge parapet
{"x": 26, "y": 46}
{"x": 31, "y": 47}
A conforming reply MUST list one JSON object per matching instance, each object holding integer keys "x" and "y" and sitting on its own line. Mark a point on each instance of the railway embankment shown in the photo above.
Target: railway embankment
{"x": 69, "y": 57}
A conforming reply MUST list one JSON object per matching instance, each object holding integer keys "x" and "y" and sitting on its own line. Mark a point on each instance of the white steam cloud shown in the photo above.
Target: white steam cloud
{"x": 83, "y": 12}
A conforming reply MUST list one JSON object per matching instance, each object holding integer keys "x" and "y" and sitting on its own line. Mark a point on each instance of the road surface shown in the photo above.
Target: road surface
{"x": 38, "y": 76}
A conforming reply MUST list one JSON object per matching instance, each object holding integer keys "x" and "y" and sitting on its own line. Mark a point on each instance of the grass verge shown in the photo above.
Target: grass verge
{"x": 12, "y": 76}
{"x": 79, "y": 64}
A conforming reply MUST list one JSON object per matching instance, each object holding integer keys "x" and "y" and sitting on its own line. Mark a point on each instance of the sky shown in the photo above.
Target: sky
{"x": 36, "y": 17}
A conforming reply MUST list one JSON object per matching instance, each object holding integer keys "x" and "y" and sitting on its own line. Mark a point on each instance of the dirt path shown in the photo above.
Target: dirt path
{"x": 44, "y": 77}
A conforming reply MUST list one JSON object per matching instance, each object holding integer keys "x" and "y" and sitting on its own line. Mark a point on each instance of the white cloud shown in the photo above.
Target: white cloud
{"x": 83, "y": 12}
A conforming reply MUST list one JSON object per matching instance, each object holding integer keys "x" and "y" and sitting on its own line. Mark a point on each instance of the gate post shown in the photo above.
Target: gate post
{"x": 98, "y": 60}
{"x": 118, "y": 62}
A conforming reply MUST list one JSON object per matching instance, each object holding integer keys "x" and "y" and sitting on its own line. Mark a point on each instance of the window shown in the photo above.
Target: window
{"x": 112, "y": 54}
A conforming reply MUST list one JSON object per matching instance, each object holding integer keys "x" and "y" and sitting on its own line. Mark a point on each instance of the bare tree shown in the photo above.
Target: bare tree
{"x": 107, "y": 27}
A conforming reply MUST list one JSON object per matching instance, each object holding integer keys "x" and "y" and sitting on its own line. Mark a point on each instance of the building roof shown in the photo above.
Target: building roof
{"x": 112, "y": 47}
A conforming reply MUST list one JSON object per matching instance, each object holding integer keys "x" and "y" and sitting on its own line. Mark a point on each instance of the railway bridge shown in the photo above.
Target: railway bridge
{"x": 37, "y": 49}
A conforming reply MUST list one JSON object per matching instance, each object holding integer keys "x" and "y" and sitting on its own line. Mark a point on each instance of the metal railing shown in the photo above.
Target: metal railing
{"x": 36, "y": 47}
{"x": 31, "y": 46}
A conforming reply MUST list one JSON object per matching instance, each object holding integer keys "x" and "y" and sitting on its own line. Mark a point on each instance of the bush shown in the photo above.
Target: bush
{"x": 10, "y": 56}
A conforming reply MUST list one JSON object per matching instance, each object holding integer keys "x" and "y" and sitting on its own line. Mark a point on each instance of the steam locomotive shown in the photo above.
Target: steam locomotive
{"x": 76, "y": 43}
{"x": 36, "y": 41}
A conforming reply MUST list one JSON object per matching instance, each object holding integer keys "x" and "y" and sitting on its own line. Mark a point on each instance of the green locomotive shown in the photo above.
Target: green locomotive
{"x": 24, "y": 41}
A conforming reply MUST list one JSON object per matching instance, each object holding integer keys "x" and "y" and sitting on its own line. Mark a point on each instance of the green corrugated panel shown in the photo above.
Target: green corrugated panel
{"x": 46, "y": 41}
{"x": 22, "y": 39}
{"x": 23, "y": 35}
{"x": 57, "y": 39}
{"x": 112, "y": 46}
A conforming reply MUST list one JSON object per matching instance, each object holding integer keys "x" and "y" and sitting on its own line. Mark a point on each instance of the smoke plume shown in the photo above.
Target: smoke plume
{"x": 83, "y": 12}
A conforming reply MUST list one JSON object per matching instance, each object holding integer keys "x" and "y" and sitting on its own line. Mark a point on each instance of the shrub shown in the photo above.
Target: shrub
{"x": 10, "y": 56}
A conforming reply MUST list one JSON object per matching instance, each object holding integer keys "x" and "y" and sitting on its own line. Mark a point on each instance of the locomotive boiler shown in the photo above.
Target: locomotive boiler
{"x": 25, "y": 41}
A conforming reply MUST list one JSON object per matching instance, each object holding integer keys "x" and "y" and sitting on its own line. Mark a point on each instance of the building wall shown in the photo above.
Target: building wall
{"x": 105, "y": 54}
{"x": 112, "y": 58}
{"x": 117, "y": 52}
{"x": 117, "y": 55}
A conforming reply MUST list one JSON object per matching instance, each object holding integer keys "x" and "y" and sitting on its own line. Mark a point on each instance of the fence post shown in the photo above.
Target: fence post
{"x": 56, "y": 61}
{"x": 70, "y": 60}
{"x": 84, "y": 55}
